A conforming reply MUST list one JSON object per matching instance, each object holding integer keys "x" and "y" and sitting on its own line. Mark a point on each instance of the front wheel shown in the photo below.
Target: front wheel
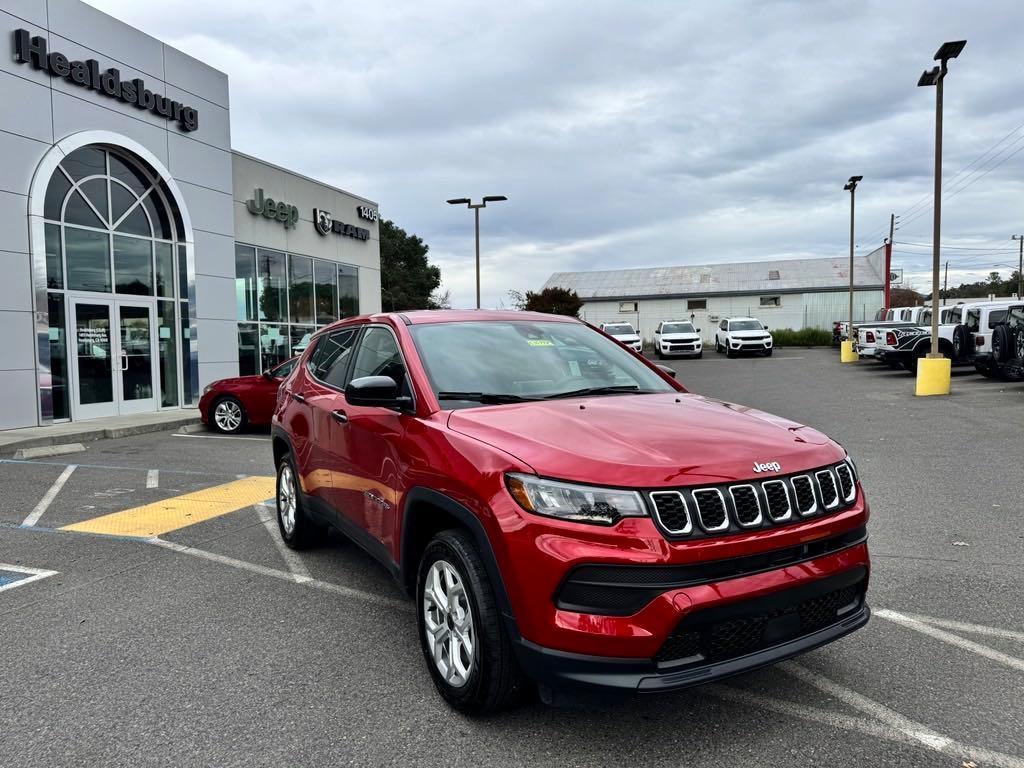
{"x": 700, "y": 354}
{"x": 768, "y": 353}
{"x": 228, "y": 415}
{"x": 462, "y": 631}
{"x": 297, "y": 529}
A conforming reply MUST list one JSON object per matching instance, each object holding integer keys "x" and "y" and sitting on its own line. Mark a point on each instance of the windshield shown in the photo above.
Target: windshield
{"x": 745, "y": 325}
{"x": 472, "y": 362}
{"x": 619, "y": 329}
{"x": 677, "y": 328}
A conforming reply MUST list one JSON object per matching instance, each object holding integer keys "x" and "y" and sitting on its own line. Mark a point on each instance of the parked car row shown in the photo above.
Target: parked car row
{"x": 679, "y": 338}
{"x": 984, "y": 334}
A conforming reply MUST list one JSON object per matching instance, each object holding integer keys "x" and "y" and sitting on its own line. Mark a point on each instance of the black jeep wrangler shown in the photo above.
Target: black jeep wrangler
{"x": 1006, "y": 360}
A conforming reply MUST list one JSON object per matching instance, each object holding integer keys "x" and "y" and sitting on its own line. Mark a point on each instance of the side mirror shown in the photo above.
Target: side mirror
{"x": 665, "y": 369}
{"x": 375, "y": 391}
{"x": 268, "y": 375}
{"x": 698, "y": 330}
{"x": 657, "y": 331}
{"x": 766, "y": 327}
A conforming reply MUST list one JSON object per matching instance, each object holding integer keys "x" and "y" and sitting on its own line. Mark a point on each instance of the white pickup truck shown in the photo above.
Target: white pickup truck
{"x": 869, "y": 333}
{"x": 904, "y": 345}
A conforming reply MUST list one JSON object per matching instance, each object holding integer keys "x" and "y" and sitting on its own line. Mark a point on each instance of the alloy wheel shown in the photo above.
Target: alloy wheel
{"x": 448, "y": 621}
{"x": 286, "y": 501}
{"x": 228, "y": 415}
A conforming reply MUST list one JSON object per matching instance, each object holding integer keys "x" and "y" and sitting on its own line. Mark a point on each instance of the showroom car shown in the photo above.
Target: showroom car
{"x": 625, "y": 334}
{"x": 229, "y": 405}
{"x": 566, "y": 516}
{"x": 743, "y": 334}
{"x": 677, "y": 338}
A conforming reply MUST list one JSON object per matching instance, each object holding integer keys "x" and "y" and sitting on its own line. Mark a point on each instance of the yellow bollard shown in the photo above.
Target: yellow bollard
{"x": 933, "y": 375}
{"x": 846, "y": 353}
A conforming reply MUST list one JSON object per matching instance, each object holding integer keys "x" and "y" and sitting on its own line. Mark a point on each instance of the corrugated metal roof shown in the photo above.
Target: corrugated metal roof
{"x": 744, "y": 277}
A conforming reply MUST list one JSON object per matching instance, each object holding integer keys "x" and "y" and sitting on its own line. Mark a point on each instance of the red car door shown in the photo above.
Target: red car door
{"x": 364, "y": 443}
{"x": 262, "y": 397}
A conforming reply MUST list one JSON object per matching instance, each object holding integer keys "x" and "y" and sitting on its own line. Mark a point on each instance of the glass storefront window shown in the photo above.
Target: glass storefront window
{"x": 326, "y": 291}
{"x": 245, "y": 282}
{"x": 54, "y": 261}
{"x": 164, "y": 269}
{"x": 248, "y": 349}
{"x": 270, "y": 273}
{"x": 273, "y": 345}
{"x": 167, "y": 341}
{"x": 133, "y": 265}
{"x": 89, "y": 267}
{"x": 300, "y": 289}
{"x": 182, "y": 273}
{"x": 348, "y": 290}
{"x": 186, "y": 354}
{"x": 58, "y": 357}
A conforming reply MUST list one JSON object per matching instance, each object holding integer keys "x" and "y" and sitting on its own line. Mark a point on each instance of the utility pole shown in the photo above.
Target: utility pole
{"x": 888, "y": 259}
{"x": 945, "y": 282}
{"x": 1020, "y": 267}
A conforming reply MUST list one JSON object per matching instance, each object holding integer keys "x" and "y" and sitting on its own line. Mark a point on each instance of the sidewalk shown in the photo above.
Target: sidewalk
{"x": 96, "y": 429}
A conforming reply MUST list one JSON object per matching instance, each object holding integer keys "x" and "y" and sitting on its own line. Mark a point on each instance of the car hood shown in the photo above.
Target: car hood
{"x": 237, "y": 381}
{"x": 646, "y": 440}
{"x": 625, "y": 338}
{"x": 680, "y": 336}
{"x": 748, "y": 334}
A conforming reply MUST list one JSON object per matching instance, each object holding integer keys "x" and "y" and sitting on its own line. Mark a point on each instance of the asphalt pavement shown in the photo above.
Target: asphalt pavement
{"x": 210, "y": 644}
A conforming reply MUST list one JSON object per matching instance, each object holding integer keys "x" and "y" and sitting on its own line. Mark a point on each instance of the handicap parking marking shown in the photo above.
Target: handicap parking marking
{"x": 176, "y": 512}
{"x": 12, "y": 576}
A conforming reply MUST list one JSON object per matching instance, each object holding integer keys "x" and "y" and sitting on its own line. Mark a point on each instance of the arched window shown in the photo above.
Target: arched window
{"x": 111, "y": 227}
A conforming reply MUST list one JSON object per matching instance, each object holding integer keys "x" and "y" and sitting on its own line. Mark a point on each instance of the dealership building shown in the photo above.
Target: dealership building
{"x": 794, "y": 293}
{"x": 141, "y": 257}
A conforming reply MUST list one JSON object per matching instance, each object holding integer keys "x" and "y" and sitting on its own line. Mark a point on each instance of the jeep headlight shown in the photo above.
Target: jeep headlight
{"x": 579, "y": 503}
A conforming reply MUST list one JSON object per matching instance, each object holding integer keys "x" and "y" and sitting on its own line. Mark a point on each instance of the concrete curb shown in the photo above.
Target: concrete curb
{"x": 10, "y": 443}
{"x": 46, "y": 451}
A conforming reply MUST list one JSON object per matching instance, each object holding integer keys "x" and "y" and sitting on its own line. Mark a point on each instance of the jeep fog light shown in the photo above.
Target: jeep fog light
{"x": 579, "y": 503}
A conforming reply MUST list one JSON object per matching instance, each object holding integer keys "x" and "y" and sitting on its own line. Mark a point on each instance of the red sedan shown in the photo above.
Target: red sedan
{"x": 229, "y": 404}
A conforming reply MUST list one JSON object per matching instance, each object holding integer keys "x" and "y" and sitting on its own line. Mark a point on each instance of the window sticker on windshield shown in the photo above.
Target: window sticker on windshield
{"x": 574, "y": 368}
{"x": 540, "y": 343}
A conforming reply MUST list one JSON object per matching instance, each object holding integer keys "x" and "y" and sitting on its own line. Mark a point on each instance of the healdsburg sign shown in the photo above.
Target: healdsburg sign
{"x": 32, "y": 50}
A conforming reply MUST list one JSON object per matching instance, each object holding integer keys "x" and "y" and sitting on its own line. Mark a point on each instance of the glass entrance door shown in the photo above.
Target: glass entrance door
{"x": 135, "y": 358}
{"x": 113, "y": 365}
{"x": 92, "y": 360}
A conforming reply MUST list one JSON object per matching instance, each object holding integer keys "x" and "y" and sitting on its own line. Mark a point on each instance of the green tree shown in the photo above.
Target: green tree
{"x": 554, "y": 301}
{"x": 407, "y": 278}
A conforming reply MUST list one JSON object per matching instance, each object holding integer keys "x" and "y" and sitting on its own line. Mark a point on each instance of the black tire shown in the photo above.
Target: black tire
{"x": 228, "y": 416}
{"x": 911, "y": 362}
{"x": 700, "y": 354}
{"x": 985, "y": 369}
{"x": 729, "y": 352}
{"x": 303, "y": 532}
{"x": 659, "y": 355}
{"x": 495, "y": 681}
{"x": 963, "y": 343}
{"x": 1002, "y": 342}
{"x": 768, "y": 352}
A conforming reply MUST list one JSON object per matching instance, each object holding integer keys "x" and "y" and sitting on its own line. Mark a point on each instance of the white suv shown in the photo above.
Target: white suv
{"x": 677, "y": 337}
{"x": 742, "y": 334}
{"x": 624, "y": 333}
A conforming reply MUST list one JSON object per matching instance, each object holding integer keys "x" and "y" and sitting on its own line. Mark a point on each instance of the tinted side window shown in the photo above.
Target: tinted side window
{"x": 329, "y": 361}
{"x": 378, "y": 355}
{"x": 995, "y": 317}
{"x": 284, "y": 368}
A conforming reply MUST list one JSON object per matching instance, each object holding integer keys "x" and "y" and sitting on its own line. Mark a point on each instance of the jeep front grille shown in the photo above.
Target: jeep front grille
{"x": 746, "y": 506}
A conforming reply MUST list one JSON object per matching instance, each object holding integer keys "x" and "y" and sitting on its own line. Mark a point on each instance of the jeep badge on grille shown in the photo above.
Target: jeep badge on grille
{"x": 767, "y": 466}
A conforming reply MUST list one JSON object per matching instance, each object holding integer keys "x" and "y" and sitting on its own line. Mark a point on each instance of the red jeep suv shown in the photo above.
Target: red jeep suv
{"x": 563, "y": 511}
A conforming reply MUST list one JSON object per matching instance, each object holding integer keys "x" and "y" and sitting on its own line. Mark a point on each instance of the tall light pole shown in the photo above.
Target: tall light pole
{"x": 935, "y": 76}
{"x": 1020, "y": 267}
{"x": 851, "y": 187}
{"x": 476, "y": 214}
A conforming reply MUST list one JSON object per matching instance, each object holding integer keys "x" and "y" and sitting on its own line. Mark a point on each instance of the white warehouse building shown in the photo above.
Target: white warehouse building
{"x": 795, "y": 293}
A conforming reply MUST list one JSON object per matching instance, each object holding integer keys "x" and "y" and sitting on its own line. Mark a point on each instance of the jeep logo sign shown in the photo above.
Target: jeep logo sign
{"x": 259, "y": 205}
{"x": 767, "y": 466}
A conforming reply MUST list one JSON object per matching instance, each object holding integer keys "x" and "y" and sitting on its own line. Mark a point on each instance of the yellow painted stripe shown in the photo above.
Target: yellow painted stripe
{"x": 180, "y": 511}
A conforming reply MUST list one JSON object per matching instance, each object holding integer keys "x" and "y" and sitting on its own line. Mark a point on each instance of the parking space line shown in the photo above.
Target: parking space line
{"x": 222, "y": 437}
{"x": 33, "y": 574}
{"x": 947, "y": 637}
{"x": 153, "y": 478}
{"x": 962, "y": 626}
{"x": 179, "y": 511}
{"x": 47, "y": 500}
{"x": 356, "y": 594}
{"x": 916, "y": 731}
{"x": 290, "y": 557}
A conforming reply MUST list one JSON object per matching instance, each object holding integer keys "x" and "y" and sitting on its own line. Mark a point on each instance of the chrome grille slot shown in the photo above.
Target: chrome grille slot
{"x": 779, "y": 506}
{"x": 846, "y": 484}
{"x": 673, "y": 514}
{"x": 711, "y": 509}
{"x": 806, "y": 503}
{"x": 827, "y": 487}
{"x": 746, "y": 505}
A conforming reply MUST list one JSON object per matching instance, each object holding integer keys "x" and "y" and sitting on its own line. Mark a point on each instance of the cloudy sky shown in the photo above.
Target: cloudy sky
{"x": 630, "y": 133}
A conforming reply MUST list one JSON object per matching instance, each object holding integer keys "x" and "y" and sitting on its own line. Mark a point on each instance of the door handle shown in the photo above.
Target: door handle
{"x": 298, "y": 398}
{"x": 339, "y": 416}
{"x": 124, "y": 360}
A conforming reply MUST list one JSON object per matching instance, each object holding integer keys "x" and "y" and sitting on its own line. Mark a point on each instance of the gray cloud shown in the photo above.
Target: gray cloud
{"x": 625, "y": 134}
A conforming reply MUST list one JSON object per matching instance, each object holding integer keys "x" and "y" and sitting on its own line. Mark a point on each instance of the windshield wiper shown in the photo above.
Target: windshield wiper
{"x": 487, "y": 398}
{"x": 610, "y": 390}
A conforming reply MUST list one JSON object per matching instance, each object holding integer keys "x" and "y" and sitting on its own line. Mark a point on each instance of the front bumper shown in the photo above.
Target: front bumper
{"x": 758, "y": 345}
{"x": 682, "y": 348}
{"x": 781, "y": 614}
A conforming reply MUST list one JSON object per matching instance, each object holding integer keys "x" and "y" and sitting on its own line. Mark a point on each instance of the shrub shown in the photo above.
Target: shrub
{"x": 805, "y": 337}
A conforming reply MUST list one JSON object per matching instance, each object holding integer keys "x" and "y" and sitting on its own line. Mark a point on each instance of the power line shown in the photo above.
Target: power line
{"x": 957, "y": 247}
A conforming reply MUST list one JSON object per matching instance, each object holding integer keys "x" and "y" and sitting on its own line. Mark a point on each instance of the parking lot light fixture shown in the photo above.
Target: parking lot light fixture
{"x": 1020, "y": 266}
{"x": 476, "y": 215}
{"x": 847, "y": 354}
{"x": 933, "y": 374}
